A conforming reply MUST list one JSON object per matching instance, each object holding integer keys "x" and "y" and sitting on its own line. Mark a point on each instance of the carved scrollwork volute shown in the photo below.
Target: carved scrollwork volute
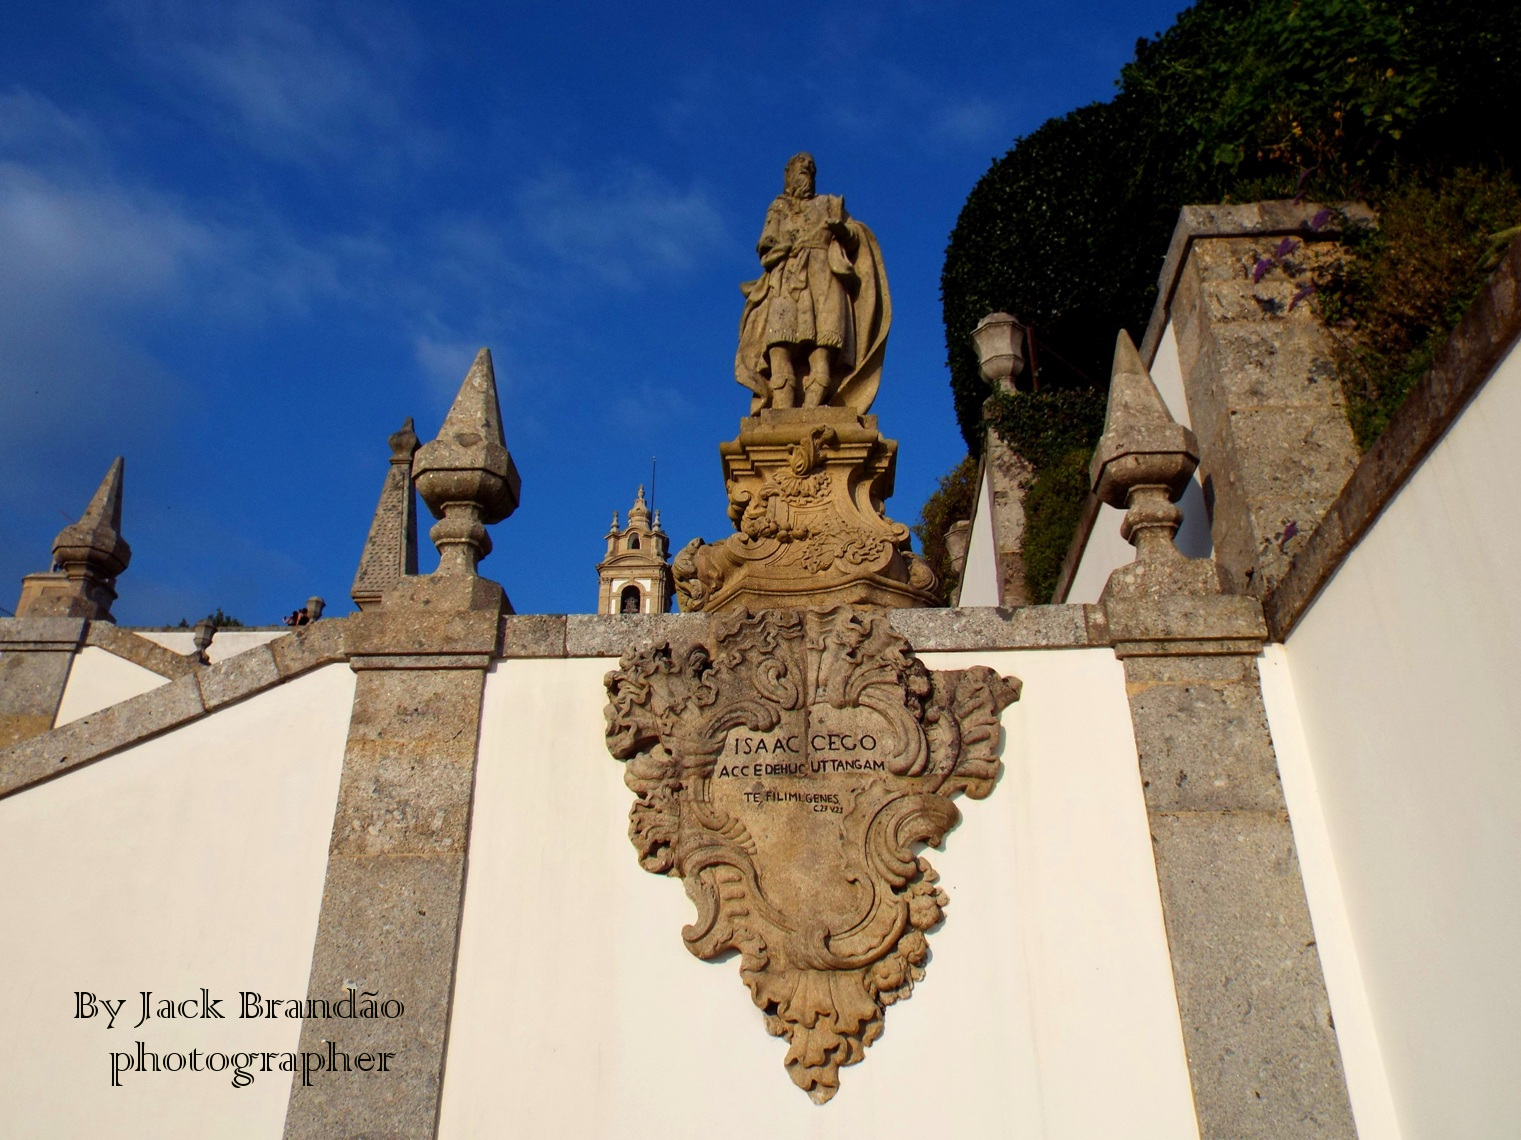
{"x": 788, "y": 769}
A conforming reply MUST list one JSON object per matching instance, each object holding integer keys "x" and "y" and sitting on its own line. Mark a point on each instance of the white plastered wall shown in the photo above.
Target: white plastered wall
{"x": 1403, "y": 676}
{"x": 227, "y": 642}
{"x": 1105, "y": 550}
{"x": 193, "y": 859}
{"x": 98, "y": 679}
{"x": 1048, "y": 1008}
{"x": 980, "y": 578}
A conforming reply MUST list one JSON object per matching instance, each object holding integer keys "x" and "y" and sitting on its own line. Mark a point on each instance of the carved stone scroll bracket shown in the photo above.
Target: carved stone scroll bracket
{"x": 806, "y": 493}
{"x": 788, "y": 767}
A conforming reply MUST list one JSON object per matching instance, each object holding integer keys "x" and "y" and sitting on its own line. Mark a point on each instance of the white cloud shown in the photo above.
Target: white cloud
{"x": 288, "y": 79}
{"x": 629, "y": 226}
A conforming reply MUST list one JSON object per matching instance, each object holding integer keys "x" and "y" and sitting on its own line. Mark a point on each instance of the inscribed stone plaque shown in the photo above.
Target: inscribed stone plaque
{"x": 785, "y": 770}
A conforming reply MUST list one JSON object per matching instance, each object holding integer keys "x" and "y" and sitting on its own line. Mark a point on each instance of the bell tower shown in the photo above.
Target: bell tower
{"x": 636, "y": 574}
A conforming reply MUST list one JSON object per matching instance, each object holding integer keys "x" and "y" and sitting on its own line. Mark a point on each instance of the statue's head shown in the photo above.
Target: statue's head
{"x": 797, "y": 182}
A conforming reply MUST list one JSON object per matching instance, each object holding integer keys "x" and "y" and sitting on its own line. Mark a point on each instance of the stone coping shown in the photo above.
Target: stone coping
{"x": 188, "y": 697}
{"x": 126, "y": 644}
{"x": 928, "y": 630}
{"x": 1280, "y": 218}
{"x": 196, "y": 690}
{"x": 1283, "y": 218}
{"x": 1477, "y": 346}
{"x": 203, "y": 689}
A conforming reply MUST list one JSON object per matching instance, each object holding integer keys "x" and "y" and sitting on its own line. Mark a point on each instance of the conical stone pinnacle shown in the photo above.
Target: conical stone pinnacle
{"x": 466, "y": 476}
{"x": 94, "y": 544}
{"x": 1141, "y": 444}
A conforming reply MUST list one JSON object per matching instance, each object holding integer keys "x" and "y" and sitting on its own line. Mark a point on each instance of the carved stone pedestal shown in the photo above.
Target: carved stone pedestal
{"x": 806, "y": 488}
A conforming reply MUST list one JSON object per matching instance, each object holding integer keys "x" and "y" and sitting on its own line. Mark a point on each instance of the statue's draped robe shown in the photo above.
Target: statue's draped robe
{"x": 827, "y": 291}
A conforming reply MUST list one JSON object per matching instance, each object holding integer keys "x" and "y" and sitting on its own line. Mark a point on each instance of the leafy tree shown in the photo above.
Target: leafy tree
{"x": 1238, "y": 100}
{"x": 218, "y": 619}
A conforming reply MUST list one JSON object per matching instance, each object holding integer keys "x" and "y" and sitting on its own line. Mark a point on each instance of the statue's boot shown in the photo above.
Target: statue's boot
{"x": 816, "y": 386}
{"x": 783, "y": 379}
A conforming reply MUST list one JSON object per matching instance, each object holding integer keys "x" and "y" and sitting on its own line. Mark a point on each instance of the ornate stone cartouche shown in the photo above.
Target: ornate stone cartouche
{"x": 787, "y": 766}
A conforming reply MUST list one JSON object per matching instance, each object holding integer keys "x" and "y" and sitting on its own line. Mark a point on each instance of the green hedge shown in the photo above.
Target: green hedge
{"x": 1238, "y": 100}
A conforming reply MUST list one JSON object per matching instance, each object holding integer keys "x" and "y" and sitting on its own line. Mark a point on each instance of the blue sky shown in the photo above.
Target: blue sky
{"x": 241, "y": 242}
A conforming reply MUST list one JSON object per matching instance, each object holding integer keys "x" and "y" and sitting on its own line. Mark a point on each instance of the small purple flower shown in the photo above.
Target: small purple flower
{"x": 1320, "y": 219}
{"x": 1287, "y": 246}
{"x": 1301, "y": 295}
{"x": 1262, "y": 266}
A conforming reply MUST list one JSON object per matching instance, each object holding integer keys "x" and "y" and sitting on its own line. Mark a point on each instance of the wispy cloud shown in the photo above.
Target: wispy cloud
{"x": 288, "y": 78}
{"x": 621, "y": 228}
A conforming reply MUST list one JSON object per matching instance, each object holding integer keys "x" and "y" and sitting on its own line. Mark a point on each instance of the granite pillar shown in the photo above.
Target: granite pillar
{"x": 397, "y": 858}
{"x": 35, "y": 656}
{"x": 1261, "y": 1043}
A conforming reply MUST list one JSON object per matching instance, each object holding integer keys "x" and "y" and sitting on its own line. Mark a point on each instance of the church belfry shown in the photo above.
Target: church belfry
{"x": 636, "y": 574}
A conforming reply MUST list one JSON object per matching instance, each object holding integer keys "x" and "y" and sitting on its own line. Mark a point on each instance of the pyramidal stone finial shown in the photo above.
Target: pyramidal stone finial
{"x": 466, "y": 476}
{"x": 92, "y": 551}
{"x": 89, "y": 554}
{"x": 390, "y": 551}
{"x": 1142, "y": 465}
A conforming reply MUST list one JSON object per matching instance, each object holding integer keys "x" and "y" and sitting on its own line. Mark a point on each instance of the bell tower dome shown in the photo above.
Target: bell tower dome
{"x": 636, "y": 573}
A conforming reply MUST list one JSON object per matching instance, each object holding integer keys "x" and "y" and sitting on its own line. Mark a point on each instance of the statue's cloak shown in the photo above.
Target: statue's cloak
{"x": 865, "y": 342}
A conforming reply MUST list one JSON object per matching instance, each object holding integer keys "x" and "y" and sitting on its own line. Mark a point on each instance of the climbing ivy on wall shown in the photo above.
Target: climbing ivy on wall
{"x": 1238, "y": 100}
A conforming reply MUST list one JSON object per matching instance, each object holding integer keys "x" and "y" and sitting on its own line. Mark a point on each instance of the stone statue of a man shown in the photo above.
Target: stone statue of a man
{"x": 815, "y": 324}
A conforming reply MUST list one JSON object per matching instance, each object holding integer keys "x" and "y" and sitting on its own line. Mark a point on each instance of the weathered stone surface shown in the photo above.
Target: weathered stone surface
{"x": 806, "y": 488}
{"x": 391, "y": 903}
{"x": 388, "y": 927}
{"x": 814, "y": 328}
{"x": 99, "y": 734}
{"x": 785, "y": 766}
{"x": 988, "y": 627}
{"x": 434, "y": 614}
{"x": 35, "y": 656}
{"x": 390, "y": 551}
{"x": 613, "y": 635}
{"x": 1202, "y": 735}
{"x": 1275, "y": 447}
{"x": 396, "y": 859}
{"x": 1142, "y": 463}
{"x": 237, "y": 677}
{"x": 1259, "y": 220}
{"x": 533, "y": 635}
{"x": 1181, "y": 623}
{"x": 89, "y": 554}
{"x": 1469, "y": 358}
{"x": 1262, "y": 1053}
{"x": 1009, "y": 476}
{"x": 138, "y": 650}
{"x": 1262, "y": 1049}
{"x": 312, "y": 646}
{"x": 466, "y": 475}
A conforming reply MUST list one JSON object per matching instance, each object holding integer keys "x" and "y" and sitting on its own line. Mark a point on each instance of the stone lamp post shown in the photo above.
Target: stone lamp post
{"x": 466, "y": 476}
{"x": 999, "y": 340}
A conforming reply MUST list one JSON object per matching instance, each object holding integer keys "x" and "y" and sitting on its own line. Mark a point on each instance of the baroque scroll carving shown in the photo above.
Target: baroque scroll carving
{"x": 785, "y": 770}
